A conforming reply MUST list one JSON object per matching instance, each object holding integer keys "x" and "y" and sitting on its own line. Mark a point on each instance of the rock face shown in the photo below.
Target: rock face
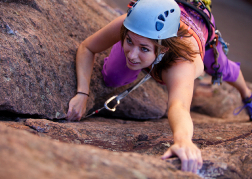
{"x": 134, "y": 147}
{"x": 38, "y": 44}
{"x": 51, "y": 159}
{"x": 216, "y": 101}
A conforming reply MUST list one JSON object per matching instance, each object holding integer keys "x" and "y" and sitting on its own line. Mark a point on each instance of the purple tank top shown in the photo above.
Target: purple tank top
{"x": 196, "y": 23}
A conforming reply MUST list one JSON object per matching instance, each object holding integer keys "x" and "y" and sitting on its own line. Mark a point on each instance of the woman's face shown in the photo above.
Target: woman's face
{"x": 139, "y": 51}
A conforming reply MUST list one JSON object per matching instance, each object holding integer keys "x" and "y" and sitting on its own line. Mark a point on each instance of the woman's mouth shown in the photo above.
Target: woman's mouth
{"x": 133, "y": 62}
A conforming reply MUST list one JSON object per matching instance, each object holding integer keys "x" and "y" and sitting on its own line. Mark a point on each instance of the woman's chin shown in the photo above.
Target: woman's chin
{"x": 133, "y": 67}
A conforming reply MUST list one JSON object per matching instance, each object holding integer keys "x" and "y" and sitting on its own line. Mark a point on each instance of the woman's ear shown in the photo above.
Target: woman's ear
{"x": 164, "y": 50}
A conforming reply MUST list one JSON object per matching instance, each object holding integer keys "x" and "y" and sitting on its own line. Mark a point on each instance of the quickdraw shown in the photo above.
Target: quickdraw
{"x": 121, "y": 96}
{"x": 217, "y": 77}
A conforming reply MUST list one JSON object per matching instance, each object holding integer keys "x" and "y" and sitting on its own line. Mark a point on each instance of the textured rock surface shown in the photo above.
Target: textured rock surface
{"x": 217, "y": 101}
{"x": 226, "y": 146}
{"x": 23, "y": 155}
{"x": 231, "y": 159}
{"x": 38, "y": 42}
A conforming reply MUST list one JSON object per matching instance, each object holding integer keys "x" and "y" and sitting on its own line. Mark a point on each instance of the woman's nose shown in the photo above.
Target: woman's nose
{"x": 133, "y": 53}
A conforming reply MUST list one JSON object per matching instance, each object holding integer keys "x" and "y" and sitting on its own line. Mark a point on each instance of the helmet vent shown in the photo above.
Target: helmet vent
{"x": 172, "y": 10}
{"x": 159, "y": 26}
{"x": 166, "y": 13}
{"x": 161, "y": 17}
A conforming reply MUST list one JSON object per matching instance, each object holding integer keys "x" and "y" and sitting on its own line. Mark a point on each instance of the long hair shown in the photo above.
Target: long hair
{"x": 177, "y": 47}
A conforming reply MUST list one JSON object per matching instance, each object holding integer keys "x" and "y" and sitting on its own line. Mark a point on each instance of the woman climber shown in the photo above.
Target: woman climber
{"x": 171, "y": 38}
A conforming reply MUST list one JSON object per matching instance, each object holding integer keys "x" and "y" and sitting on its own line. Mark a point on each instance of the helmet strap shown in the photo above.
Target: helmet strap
{"x": 160, "y": 55}
{"x": 159, "y": 43}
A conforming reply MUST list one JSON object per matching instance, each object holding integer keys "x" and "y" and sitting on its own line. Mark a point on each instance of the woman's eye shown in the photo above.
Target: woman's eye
{"x": 129, "y": 40}
{"x": 145, "y": 49}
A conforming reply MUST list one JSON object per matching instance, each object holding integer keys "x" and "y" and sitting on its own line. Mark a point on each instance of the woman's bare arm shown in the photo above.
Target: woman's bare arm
{"x": 98, "y": 42}
{"x": 179, "y": 80}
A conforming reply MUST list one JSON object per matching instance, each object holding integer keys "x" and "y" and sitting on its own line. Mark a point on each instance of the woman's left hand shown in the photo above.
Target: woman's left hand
{"x": 188, "y": 153}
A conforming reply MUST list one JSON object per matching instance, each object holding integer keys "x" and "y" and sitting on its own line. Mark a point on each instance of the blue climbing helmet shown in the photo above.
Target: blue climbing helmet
{"x": 154, "y": 19}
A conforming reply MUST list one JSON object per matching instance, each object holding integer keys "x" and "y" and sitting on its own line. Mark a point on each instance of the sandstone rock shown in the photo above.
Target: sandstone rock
{"x": 23, "y": 155}
{"x": 217, "y": 101}
{"x": 149, "y": 137}
{"x": 231, "y": 159}
{"x": 226, "y": 147}
{"x": 38, "y": 42}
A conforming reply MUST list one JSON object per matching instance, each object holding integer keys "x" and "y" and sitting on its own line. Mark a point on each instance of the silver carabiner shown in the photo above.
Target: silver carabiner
{"x": 108, "y": 101}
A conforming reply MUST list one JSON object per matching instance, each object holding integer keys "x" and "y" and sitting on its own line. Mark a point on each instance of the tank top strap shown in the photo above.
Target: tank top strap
{"x": 196, "y": 37}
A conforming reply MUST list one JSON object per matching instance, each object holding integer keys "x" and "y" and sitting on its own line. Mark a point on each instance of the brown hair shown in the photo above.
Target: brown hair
{"x": 177, "y": 47}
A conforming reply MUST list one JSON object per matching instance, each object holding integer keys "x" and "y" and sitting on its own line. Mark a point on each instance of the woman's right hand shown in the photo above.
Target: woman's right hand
{"x": 188, "y": 153}
{"x": 77, "y": 107}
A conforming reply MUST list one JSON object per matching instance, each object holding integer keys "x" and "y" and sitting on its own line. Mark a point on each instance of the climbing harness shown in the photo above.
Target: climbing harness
{"x": 224, "y": 44}
{"x": 217, "y": 77}
{"x": 199, "y": 7}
